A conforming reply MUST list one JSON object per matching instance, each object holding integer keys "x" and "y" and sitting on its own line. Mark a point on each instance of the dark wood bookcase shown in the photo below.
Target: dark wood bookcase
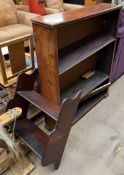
{"x": 72, "y": 43}
{"x": 68, "y": 45}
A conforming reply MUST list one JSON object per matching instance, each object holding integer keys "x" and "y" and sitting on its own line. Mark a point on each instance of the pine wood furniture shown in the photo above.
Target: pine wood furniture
{"x": 15, "y": 29}
{"x": 67, "y": 45}
{"x": 17, "y": 58}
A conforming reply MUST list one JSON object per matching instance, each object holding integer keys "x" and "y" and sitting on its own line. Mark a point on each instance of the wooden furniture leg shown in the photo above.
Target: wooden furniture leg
{"x": 31, "y": 52}
{"x": 10, "y": 90}
{"x": 3, "y": 67}
{"x": 17, "y": 57}
{"x": 58, "y": 138}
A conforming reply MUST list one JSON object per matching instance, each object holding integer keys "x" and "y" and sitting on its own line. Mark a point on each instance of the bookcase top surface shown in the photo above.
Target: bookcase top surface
{"x": 62, "y": 18}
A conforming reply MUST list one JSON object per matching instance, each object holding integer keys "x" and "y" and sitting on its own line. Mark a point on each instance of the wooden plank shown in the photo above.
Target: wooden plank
{"x": 6, "y": 162}
{"x": 10, "y": 116}
{"x": 3, "y": 153}
{"x": 76, "y": 15}
{"x": 42, "y": 103}
{"x": 85, "y": 86}
{"x": 14, "y": 41}
{"x": 86, "y": 106}
{"x": 73, "y": 75}
{"x": 31, "y": 135}
{"x": 47, "y": 62}
{"x": 73, "y": 33}
{"x": 2, "y": 68}
{"x": 22, "y": 167}
{"x": 78, "y": 52}
{"x": 17, "y": 57}
{"x": 96, "y": 91}
{"x": 11, "y": 79}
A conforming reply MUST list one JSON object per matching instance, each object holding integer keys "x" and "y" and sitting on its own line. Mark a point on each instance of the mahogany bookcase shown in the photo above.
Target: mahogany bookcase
{"x": 71, "y": 43}
{"x": 68, "y": 45}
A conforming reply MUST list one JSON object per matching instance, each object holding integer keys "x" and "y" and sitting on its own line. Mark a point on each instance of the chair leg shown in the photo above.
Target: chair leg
{"x": 17, "y": 57}
{"x": 3, "y": 67}
{"x": 10, "y": 91}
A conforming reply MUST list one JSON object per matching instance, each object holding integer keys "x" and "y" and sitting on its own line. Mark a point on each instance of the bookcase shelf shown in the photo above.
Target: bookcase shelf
{"x": 85, "y": 86}
{"x": 78, "y": 52}
{"x": 87, "y": 105}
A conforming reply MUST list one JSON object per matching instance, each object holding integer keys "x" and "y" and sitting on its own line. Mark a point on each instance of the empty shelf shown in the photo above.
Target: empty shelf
{"x": 42, "y": 103}
{"x": 76, "y": 53}
{"x": 87, "y": 105}
{"x": 35, "y": 138}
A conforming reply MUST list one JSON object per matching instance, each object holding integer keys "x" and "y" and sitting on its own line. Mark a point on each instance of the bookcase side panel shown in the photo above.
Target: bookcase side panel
{"x": 47, "y": 56}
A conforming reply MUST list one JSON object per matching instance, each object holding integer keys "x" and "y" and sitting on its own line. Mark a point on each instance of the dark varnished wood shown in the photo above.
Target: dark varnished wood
{"x": 18, "y": 101}
{"x": 46, "y": 48}
{"x": 78, "y": 52}
{"x": 84, "y": 107}
{"x": 58, "y": 139}
{"x": 61, "y": 67}
{"x": 72, "y": 43}
{"x": 42, "y": 103}
{"x": 73, "y": 33}
{"x": 34, "y": 137}
{"x": 49, "y": 147}
{"x": 79, "y": 14}
{"x": 85, "y": 86}
{"x": 74, "y": 74}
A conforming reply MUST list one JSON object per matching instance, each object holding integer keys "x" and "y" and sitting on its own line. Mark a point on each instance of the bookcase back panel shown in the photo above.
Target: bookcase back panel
{"x": 69, "y": 34}
{"x": 76, "y": 72}
{"x": 105, "y": 58}
{"x": 108, "y": 24}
